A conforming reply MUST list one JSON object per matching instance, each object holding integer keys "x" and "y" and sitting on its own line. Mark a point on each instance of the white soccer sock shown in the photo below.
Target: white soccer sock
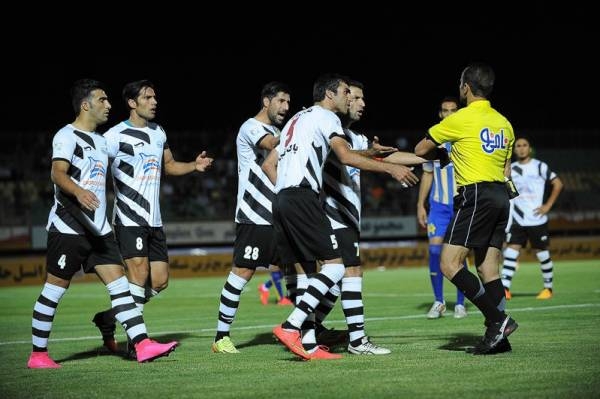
{"x": 139, "y": 295}
{"x": 317, "y": 287}
{"x": 129, "y": 315}
{"x": 510, "y": 266}
{"x": 547, "y": 268}
{"x": 353, "y": 307}
{"x": 230, "y": 300}
{"x": 43, "y": 314}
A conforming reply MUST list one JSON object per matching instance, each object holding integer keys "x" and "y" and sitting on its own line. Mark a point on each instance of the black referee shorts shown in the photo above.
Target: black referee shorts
{"x": 480, "y": 216}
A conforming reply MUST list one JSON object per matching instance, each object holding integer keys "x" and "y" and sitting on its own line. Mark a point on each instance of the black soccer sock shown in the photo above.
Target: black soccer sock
{"x": 474, "y": 291}
{"x": 495, "y": 290}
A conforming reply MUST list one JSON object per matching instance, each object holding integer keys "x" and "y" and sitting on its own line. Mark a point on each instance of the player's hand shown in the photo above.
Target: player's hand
{"x": 422, "y": 216}
{"x": 203, "y": 162}
{"x": 88, "y": 199}
{"x": 404, "y": 175}
{"x": 542, "y": 210}
{"x": 381, "y": 150}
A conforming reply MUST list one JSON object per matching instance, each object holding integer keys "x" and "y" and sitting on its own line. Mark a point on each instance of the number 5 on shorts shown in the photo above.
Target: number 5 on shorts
{"x": 334, "y": 243}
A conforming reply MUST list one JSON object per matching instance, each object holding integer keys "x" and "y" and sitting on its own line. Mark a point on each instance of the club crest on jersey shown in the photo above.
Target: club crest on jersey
{"x": 97, "y": 168}
{"x": 150, "y": 164}
{"x": 492, "y": 141}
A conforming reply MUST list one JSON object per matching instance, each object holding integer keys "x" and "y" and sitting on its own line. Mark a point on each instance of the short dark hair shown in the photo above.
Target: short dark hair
{"x": 355, "y": 83}
{"x": 329, "y": 81}
{"x": 480, "y": 78}
{"x": 449, "y": 99}
{"x": 132, "y": 90}
{"x": 271, "y": 89}
{"x": 81, "y": 90}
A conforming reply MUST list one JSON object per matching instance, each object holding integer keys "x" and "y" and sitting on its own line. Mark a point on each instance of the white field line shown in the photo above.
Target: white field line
{"x": 269, "y": 326}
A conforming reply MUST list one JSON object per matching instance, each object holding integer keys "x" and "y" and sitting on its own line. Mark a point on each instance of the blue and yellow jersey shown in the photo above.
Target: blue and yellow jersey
{"x": 443, "y": 187}
{"x": 482, "y": 142}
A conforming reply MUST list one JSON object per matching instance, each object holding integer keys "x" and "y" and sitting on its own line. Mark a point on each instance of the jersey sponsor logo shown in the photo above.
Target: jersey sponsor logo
{"x": 290, "y": 132}
{"x": 150, "y": 164}
{"x": 492, "y": 141}
{"x": 293, "y": 148}
{"x": 97, "y": 168}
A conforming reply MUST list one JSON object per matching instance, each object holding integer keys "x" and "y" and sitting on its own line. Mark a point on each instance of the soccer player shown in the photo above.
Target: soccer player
{"x": 264, "y": 289}
{"x": 139, "y": 151}
{"x": 482, "y": 141}
{"x": 438, "y": 185}
{"x": 341, "y": 186}
{"x": 342, "y": 193}
{"x": 79, "y": 234}
{"x": 529, "y": 216}
{"x": 254, "y": 240}
{"x": 303, "y": 231}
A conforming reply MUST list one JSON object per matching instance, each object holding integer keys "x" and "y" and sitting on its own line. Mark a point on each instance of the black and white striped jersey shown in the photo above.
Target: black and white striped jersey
{"x": 86, "y": 152}
{"x": 304, "y": 146}
{"x": 255, "y": 191}
{"x": 341, "y": 186}
{"x": 136, "y": 170}
{"x": 530, "y": 180}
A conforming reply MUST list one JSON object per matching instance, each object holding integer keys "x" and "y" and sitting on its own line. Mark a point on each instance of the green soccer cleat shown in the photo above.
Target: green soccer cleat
{"x": 224, "y": 345}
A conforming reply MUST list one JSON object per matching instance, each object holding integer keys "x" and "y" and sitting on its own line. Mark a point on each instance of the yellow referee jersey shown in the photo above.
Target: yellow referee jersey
{"x": 482, "y": 142}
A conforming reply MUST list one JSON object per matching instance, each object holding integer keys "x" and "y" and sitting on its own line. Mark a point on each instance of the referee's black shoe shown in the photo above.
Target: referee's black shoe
{"x": 502, "y": 347}
{"x": 494, "y": 335}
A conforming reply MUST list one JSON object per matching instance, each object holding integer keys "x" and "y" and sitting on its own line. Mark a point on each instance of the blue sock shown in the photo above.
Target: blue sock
{"x": 437, "y": 278}
{"x": 460, "y": 296}
{"x": 268, "y": 283}
{"x": 276, "y": 277}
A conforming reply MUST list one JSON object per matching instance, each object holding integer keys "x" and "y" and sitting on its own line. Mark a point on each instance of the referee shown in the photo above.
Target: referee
{"x": 482, "y": 141}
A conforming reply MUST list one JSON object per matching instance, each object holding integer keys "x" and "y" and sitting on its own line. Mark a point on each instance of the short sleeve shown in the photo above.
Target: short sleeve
{"x": 255, "y": 134}
{"x": 332, "y": 127}
{"x": 428, "y": 167}
{"x": 112, "y": 143}
{"x": 447, "y": 130}
{"x": 63, "y": 146}
{"x": 164, "y": 137}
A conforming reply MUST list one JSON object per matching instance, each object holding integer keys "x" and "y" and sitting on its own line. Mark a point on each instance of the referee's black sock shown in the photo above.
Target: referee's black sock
{"x": 495, "y": 290}
{"x": 474, "y": 291}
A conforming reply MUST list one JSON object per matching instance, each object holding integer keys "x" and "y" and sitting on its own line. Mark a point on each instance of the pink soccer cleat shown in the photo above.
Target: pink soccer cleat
{"x": 147, "y": 350}
{"x": 291, "y": 339}
{"x": 41, "y": 360}
{"x": 322, "y": 353}
{"x": 285, "y": 301}
{"x": 264, "y": 294}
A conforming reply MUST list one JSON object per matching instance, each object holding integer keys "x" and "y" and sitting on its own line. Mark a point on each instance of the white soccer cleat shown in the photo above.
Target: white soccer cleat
{"x": 437, "y": 310}
{"x": 460, "y": 312}
{"x": 368, "y": 348}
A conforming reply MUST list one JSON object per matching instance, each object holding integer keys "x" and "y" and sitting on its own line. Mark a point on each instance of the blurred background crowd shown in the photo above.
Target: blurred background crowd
{"x": 26, "y": 192}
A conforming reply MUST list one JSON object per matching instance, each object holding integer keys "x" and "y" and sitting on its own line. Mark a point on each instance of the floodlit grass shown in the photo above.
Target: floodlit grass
{"x": 556, "y": 350}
